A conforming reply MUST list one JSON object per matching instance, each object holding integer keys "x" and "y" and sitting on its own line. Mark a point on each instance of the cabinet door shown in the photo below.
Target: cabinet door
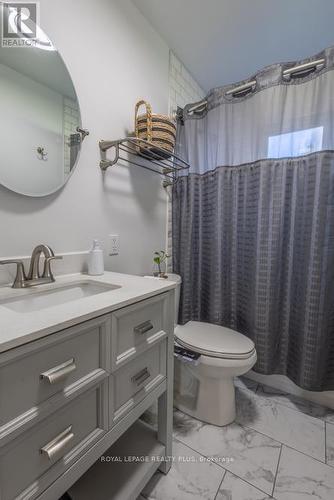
{"x": 59, "y": 364}
{"x": 131, "y": 383}
{"x": 137, "y": 327}
{"x": 31, "y": 462}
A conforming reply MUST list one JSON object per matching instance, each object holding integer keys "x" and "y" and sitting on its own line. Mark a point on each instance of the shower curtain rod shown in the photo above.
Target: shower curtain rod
{"x": 287, "y": 73}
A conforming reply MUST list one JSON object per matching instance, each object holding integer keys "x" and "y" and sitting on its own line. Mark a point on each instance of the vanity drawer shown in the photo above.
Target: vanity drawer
{"x": 137, "y": 327}
{"x": 131, "y": 383}
{"x": 55, "y": 364}
{"x": 30, "y": 463}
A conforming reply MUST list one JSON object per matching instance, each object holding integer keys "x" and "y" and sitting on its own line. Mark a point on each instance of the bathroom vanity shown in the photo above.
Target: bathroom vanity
{"x": 80, "y": 361}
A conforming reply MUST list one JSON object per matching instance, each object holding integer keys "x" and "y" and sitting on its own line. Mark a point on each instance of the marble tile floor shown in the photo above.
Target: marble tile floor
{"x": 280, "y": 447}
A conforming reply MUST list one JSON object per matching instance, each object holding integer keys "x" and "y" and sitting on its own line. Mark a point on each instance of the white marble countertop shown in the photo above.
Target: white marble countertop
{"x": 18, "y": 328}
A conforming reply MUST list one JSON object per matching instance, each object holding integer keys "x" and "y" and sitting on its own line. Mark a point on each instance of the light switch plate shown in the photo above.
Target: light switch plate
{"x": 113, "y": 244}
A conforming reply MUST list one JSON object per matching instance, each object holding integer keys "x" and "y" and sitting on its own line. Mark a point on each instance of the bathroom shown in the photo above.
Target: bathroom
{"x": 166, "y": 250}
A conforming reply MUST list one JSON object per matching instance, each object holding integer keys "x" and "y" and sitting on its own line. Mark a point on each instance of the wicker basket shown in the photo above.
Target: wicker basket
{"x": 158, "y": 130}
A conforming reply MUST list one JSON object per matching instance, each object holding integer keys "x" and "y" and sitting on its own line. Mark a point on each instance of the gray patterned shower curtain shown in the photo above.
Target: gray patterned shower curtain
{"x": 253, "y": 220}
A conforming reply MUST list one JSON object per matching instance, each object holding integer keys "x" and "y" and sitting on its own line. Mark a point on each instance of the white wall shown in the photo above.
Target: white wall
{"x": 114, "y": 57}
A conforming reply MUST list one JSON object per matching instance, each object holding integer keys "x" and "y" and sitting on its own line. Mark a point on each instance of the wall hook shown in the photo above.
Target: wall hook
{"x": 83, "y": 132}
{"x": 42, "y": 154}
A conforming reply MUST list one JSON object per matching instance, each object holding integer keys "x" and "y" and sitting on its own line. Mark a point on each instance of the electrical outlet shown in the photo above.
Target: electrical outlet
{"x": 113, "y": 244}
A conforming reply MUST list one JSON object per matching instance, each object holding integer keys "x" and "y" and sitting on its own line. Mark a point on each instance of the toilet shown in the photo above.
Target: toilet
{"x": 206, "y": 390}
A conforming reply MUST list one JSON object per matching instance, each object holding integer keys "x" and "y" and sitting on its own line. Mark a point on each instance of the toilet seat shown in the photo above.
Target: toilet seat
{"x": 214, "y": 340}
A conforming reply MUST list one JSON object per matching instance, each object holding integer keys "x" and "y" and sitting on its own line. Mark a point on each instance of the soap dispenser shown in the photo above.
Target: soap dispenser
{"x": 95, "y": 259}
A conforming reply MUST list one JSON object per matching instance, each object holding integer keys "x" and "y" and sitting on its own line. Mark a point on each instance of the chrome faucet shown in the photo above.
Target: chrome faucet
{"x": 34, "y": 276}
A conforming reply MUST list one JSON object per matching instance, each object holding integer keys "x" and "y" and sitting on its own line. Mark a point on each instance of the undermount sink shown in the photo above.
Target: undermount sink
{"x": 42, "y": 299}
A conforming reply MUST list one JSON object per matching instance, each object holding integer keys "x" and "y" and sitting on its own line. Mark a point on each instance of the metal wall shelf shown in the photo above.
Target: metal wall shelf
{"x": 157, "y": 160}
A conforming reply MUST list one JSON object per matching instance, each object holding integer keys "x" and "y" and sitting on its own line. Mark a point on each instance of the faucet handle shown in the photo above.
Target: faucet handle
{"x": 47, "y": 272}
{"x": 20, "y": 277}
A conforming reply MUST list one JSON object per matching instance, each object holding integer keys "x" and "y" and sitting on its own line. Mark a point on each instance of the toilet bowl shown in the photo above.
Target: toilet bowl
{"x": 206, "y": 390}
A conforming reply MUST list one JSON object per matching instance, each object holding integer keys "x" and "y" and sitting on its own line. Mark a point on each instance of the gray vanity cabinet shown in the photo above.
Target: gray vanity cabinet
{"x": 66, "y": 398}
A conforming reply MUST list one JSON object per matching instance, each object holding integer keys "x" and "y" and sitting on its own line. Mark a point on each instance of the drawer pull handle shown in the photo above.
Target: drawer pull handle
{"x": 141, "y": 376}
{"x": 143, "y": 327}
{"x": 57, "y": 444}
{"x": 59, "y": 372}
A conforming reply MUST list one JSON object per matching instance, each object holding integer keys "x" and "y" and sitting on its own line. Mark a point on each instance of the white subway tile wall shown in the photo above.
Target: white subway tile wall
{"x": 183, "y": 89}
{"x": 71, "y": 120}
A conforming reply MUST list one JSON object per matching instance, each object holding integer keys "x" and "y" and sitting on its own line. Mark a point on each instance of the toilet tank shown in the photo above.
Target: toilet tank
{"x": 177, "y": 279}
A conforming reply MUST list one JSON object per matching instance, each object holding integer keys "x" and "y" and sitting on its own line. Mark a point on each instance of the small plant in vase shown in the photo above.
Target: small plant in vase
{"x": 159, "y": 259}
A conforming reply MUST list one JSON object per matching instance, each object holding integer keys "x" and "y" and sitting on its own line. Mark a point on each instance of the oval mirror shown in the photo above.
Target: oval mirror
{"x": 40, "y": 118}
